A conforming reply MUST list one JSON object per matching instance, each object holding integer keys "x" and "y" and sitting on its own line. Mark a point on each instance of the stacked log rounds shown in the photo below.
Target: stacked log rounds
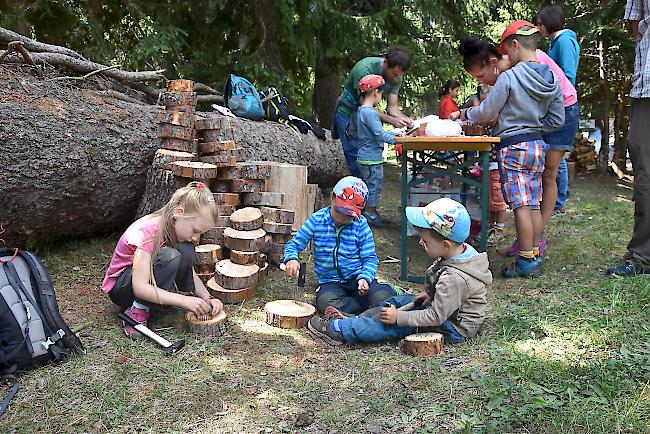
{"x": 164, "y": 158}
{"x": 278, "y": 215}
{"x": 205, "y": 259}
{"x": 194, "y": 170}
{"x": 266, "y": 198}
{"x": 228, "y": 199}
{"x": 278, "y": 228}
{"x": 248, "y": 185}
{"x": 230, "y": 296}
{"x": 423, "y": 344}
{"x": 207, "y": 325}
{"x": 288, "y": 314}
{"x": 235, "y": 276}
{"x": 246, "y": 219}
{"x": 225, "y": 210}
{"x": 247, "y": 241}
{"x": 243, "y": 258}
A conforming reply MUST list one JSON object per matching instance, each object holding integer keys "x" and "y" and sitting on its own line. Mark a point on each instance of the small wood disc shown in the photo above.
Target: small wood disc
{"x": 248, "y": 185}
{"x": 230, "y": 296}
{"x": 229, "y": 199}
{"x": 179, "y": 85}
{"x": 234, "y": 276}
{"x": 182, "y": 119}
{"x": 194, "y": 169}
{"x": 178, "y": 100}
{"x": 177, "y": 145}
{"x": 208, "y": 254}
{"x": 246, "y": 219}
{"x": 246, "y": 170}
{"x": 247, "y": 241}
{"x": 209, "y": 123}
{"x": 243, "y": 258}
{"x": 423, "y": 344}
{"x": 207, "y": 325}
{"x": 277, "y": 228}
{"x": 219, "y": 160}
{"x": 219, "y": 146}
{"x": 164, "y": 158}
{"x": 218, "y": 135}
{"x": 278, "y": 215}
{"x": 267, "y": 198}
{"x": 288, "y": 314}
{"x": 175, "y": 132}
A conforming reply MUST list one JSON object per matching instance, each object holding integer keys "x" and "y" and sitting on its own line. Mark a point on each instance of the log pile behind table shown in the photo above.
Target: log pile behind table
{"x": 583, "y": 154}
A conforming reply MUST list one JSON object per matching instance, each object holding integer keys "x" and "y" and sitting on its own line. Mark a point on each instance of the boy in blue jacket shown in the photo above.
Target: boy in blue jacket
{"x": 344, "y": 252}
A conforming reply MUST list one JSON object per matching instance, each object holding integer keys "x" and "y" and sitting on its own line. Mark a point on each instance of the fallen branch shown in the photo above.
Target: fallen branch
{"x": 90, "y": 74}
{"x": 7, "y": 36}
{"x": 17, "y": 46}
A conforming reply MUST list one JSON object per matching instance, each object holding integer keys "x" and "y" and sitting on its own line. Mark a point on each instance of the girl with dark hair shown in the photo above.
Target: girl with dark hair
{"x": 448, "y": 94}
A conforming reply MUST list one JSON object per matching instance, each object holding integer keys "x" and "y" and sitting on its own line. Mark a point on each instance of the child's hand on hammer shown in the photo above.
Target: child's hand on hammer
{"x": 388, "y": 315}
{"x": 363, "y": 287}
{"x": 292, "y": 268}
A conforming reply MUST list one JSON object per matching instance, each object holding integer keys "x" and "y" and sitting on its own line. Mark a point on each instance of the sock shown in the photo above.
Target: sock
{"x": 527, "y": 255}
{"x": 499, "y": 226}
{"x": 336, "y": 325}
{"x": 140, "y": 305}
{"x": 536, "y": 251}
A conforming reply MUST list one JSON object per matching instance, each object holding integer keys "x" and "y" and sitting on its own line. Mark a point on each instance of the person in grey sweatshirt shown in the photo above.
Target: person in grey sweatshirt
{"x": 525, "y": 101}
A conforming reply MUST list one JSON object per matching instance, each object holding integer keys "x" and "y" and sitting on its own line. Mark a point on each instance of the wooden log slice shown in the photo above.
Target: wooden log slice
{"x": 218, "y": 186}
{"x": 205, "y": 277}
{"x": 225, "y": 210}
{"x": 244, "y": 170}
{"x": 423, "y": 344}
{"x": 213, "y": 236}
{"x": 288, "y": 314}
{"x": 261, "y": 259}
{"x": 246, "y": 219}
{"x": 278, "y": 215}
{"x": 175, "y": 132}
{"x": 180, "y": 101}
{"x": 207, "y": 325}
{"x": 247, "y": 241}
{"x": 230, "y": 296}
{"x": 204, "y": 268}
{"x": 248, "y": 185}
{"x": 182, "y": 119}
{"x": 234, "y": 276}
{"x": 208, "y": 254}
{"x": 266, "y": 198}
{"x": 209, "y": 123}
{"x": 177, "y": 145}
{"x": 194, "y": 169}
{"x": 278, "y": 228}
{"x": 215, "y": 135}
{"x": 219, "y": 160}
{"x": 223, "y": 220}
{"x": 217, "y": 146}
{"x": 164, "y": 157}
{"x": 179, "y": 85}
{"x": 243, "y": 258}
{"x": 233, "y": 153}
{"x": 281, "y": 238}
{"x": 229, "y": 199}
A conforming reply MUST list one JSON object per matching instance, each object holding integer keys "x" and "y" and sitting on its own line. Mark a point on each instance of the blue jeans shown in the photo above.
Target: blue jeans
{"x": 350, "y": 145}
{"x": 373, "y": 176}
{"x": 345, "y": 296}
{"x": 562, "y": 184}
{"x": 365, "y": 329}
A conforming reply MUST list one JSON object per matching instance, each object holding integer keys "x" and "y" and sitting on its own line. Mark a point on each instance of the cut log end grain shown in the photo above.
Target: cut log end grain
{"x": 423, "y": 344}
{"x": 208, "y": 254}
{"x": 234, "y": 276}
{"x": 247, "y": 241}
{"x": 177, "y": 145}
{"x": 230, "y": 296}
{"x": 243, "y": 258}
{"x": 219, "y": 160}
{"x": 278, "y": 228}
{"x": 266, "y": 198}
{"x": 194, "y": 170}
{"x": 278, "y": 215}
{"x": 182, "y": 119}
{"x": 246, "y": 219}
{"x": 218, "y": 146}
{"x": 207, "y": 325}
{"x": 213, "y": 236}
{"x": 248, "y": 185}
{"x": 228, "y": 199}
{"x": 288, "y": 314}
{"x": 179, "y": 85}
{"x": 164, "y": 158}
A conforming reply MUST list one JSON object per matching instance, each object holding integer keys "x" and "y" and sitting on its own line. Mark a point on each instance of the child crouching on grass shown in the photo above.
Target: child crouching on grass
{"x": 156, "y": 252}
{"x": 453, "y": 301}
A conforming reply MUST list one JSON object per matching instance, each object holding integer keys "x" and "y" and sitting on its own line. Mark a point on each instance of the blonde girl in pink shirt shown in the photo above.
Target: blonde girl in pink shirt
{"x": 156, "y": 252}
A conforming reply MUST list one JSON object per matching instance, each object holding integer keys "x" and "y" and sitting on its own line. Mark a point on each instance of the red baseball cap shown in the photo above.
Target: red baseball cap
{"x": 351, "y": 195}
{"x": 515, "y": 28}
{"x": 371, "y": 82}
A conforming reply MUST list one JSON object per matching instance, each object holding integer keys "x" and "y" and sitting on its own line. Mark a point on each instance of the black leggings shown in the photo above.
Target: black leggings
{"x": 172, "y": 265}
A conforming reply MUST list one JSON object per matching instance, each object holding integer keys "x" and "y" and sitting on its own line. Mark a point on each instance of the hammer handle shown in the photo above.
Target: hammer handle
{"x": 145, "y": 330}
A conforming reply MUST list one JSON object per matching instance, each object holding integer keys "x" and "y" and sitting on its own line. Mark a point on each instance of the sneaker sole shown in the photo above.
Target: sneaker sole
{"x": 323, "y": 336}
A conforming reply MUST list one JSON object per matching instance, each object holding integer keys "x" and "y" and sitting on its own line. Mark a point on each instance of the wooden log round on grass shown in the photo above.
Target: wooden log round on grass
{"x": 267, "y": 198}
{"x": 194, "y": 169}
{"x": 248, "y": 185}
{"x": 247, "y": 241}
{"x": 208, "y": 254}
{"x": 246, "y": 219}
{"x": 234, "y": 276}
{"x": 228, "y": 199}
{"x": 168, "y": 131}
{"x": 288, "y": 314}
{"x": 278, "y": 215}
{"x": 230, "y": 296}
{"x": 179, "y": 85}
{"x": 207, "y": 325}
{"x": 177, "y": 144}
{"x": 278, "y": 228}
{"x": 164, "y": 158}
{"x": 422, "y": 344}
{"x": 182, "y": 119}
{"x": 243, "y": 258}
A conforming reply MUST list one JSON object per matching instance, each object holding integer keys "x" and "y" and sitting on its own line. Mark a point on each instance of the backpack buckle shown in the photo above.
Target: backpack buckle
{"x": 56, "y": 336}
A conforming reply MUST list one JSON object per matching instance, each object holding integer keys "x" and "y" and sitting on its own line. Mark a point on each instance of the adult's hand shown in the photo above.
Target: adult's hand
{"x": 399, "y": 122}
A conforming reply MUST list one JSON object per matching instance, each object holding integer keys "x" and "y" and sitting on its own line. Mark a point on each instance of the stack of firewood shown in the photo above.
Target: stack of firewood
{"x": 583, "y": 154}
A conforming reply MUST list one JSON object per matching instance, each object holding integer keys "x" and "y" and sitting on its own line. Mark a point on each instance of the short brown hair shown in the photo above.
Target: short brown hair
{"x": 527, "y": 41}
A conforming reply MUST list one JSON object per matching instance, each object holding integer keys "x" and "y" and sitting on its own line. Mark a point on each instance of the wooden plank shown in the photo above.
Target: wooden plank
{"x": 291, "y": 180}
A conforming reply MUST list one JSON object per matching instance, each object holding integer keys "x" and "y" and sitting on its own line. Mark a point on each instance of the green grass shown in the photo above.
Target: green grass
{"x": 569, "y": 352}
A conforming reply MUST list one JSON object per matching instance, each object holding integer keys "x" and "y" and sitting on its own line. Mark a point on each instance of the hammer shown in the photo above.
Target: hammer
{"x": 168, "y": 347}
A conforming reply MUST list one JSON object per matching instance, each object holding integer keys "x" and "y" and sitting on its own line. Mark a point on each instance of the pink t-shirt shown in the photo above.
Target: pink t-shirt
{"x": 568, "y": 91}
{"x": 140, "y": 234}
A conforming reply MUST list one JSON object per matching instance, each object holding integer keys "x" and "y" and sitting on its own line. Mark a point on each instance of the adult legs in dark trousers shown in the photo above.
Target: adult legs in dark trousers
{"x": 350, "y": 145}
{"x": 637, "y": 258}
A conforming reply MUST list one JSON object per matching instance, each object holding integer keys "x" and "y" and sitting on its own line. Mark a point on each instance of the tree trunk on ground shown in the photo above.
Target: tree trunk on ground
{"x": 620, "y": 128}
{"x": 604, "y": 88}
{"x": 327, "y": 89}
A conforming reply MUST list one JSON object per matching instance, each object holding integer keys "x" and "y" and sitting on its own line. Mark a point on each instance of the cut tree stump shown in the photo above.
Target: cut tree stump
{"x": 263, "y": 199}
{"x": 182, "y": 119}
{"x": 219, "y": 186}
{"x": 234, "y": 276}
{"x": 159, "y": 188}
{"x": 246, "y": 219}
{"x": 423, "y": 344}
{"x": 243, "y": 258}
{"x": 230, "y": 296}
{"x": 288, "y": 314}
{"x": 194, "y": 170}
{"x": 219, "y": 160}
{"x": 218, "y": 146}
{"x": 181, "y": 101}
{"x": 247, "y": 170}
{"x": 228, "y": 199}
{"x": 225, "y": 210}
{"x": 208, "y": 254}
{"x": 278, "y": 228}
{"x": 278, "y": 215}
{"x": 248, "y": 185}
{"x": 207, "y": 325}
{"x": 179, "y": 85}
{"x": 167, "y": 131}
{"x": 247, "y": 241}
{"x": 213, "y": 236}
{"x": 164, "y": 158}
{"x": 177, "y": 145}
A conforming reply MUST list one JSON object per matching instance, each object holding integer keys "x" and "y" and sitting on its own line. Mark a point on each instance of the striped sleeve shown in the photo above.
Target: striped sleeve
{"x": 299, "y": 241}
{"x": 367, "y": 253}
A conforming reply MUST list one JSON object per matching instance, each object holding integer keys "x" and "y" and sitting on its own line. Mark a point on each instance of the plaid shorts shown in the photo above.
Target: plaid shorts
{"x": 521, "y": 167}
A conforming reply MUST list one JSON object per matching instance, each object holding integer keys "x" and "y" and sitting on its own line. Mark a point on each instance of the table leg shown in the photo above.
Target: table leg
{"x": 485, "y": 192}
{"x": 403, "y": 233}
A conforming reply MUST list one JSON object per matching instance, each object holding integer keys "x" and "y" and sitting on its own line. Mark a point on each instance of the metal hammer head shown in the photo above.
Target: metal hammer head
{"x": 302, "y": 274}
{"x": 175, "y": 347}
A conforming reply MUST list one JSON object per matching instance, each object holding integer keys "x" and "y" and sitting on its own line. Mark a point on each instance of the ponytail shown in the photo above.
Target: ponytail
{"x": 449, "y": 85}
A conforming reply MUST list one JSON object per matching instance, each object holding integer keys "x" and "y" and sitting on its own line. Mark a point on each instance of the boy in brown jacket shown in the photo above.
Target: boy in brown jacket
{"x": 453, "y": 301}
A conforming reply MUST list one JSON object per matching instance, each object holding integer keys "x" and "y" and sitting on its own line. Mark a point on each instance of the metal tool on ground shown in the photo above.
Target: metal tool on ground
{"x": 408, "y": 306}
{"x": 290, "y": 313}
{"x": 167, "y": 346}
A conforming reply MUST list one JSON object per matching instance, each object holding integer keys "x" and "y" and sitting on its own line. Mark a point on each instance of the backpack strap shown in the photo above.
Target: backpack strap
{"x": 28, "y": 314}
{"x": 7, "y": 376}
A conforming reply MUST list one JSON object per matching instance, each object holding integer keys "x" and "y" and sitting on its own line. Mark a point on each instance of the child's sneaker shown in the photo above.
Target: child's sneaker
{"x": 514, "y": 249}
{"x": 558, "y": 213}
{"x": 523, "y": 268}
{"x": 141, "y": 316}
{"x": 333, "y": 313}
{"x": 323, "y": 329}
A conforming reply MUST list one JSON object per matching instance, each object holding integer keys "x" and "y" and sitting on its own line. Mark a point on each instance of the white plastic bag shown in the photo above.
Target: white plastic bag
{"x": 443, "y": 128}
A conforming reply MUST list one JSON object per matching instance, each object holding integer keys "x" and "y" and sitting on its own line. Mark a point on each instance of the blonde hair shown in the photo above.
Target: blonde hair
{"x": 193, "y": 198}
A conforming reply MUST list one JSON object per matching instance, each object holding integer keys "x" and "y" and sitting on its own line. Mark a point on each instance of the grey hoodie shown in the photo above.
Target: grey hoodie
{"x": 457, "y": 291}
{"x": 526, "y": 99}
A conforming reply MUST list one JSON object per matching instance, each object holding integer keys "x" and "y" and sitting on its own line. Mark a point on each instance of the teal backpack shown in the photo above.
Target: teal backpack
{"x": 242, "y": 98}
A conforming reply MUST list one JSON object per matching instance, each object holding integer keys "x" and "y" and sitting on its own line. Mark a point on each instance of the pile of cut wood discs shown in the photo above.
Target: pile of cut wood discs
{"x": 584, "y": 154}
